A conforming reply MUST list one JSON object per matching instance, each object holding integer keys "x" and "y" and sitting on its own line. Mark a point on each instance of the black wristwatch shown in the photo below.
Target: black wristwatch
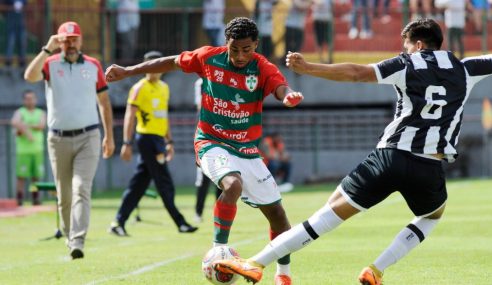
{"x": 127, "y": 142}
{"x": 46, "y": 50}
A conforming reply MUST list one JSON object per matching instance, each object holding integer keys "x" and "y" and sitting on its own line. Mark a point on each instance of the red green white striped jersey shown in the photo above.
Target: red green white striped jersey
{"x": 232, "y": 99}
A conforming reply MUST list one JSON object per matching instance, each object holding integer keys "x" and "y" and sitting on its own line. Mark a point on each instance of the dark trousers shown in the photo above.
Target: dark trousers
{"x": 127, "y": 46}
{"x": 266, "y": 46}
{"x": 148, "y": 169}
{"x": 277, "y": 167}
{"x": 294, "y": 39}
{"x": 16, "y": 33}
{"x": 213, "y": 36}
{"x": 455, "y": 41}
{"x": 202, "y": 192}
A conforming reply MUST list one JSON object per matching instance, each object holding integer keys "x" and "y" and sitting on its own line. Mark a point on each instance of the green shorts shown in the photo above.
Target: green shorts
{"x": 30, "y": 165}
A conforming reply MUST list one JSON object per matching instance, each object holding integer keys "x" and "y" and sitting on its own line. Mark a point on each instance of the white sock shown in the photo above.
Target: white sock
{"x": 406, "y": 240}
{"x": 323, "y": 221}
{"x": 216, "y": 244}
{"x": 283, "y": 269}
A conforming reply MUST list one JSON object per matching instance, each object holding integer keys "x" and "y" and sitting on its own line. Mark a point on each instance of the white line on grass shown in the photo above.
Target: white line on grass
{"x": 156, "y": 265}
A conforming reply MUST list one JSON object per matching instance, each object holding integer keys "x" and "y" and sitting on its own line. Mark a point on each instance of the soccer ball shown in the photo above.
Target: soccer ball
{"x": 214, "y": 276}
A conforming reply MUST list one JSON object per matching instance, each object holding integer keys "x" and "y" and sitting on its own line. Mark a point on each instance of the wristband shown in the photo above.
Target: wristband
{"x": 170, "y": 142}
{"x": 127, "y": 142}
{"x": 46, "y": 50}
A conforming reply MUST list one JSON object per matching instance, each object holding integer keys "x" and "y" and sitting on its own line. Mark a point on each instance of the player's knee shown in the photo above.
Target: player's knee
{"x": 232, "y": 186}
{"x": 437, "y": 214}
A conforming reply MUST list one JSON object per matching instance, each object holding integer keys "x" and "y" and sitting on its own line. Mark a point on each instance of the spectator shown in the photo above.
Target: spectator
{"x": 16, "y": 32}
{"x": 29, "y": 123}
{"x": 74, "y": 84}
{"x": 213, "y": 21}
{"x": 421, "y": 9}
{"x": 386, "y": 18}
{"x": 202, "y": 182}
{"x": 148, "y": 101}
{"x": 277, "y": 160}
{"x": 294, "y": 25}
{"x": 127, "y": 23}
{"x": 454, "y": 19}
{"x": 478, "y": 8}
{"x": 323, "y": 27}
{"x": 360, "y": 6}
{"x": 264, "y": 20}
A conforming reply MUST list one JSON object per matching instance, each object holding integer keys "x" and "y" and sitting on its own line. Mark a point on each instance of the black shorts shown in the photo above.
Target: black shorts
{"x": 421, "y": 181}
{"x": 323, "y": 32}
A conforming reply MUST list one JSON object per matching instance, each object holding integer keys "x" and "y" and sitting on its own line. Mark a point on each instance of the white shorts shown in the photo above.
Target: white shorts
{"x": 259, "y": 186}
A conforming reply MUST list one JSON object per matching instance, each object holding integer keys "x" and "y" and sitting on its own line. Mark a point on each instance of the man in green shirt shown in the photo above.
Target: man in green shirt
{"x": 29, "y": 123}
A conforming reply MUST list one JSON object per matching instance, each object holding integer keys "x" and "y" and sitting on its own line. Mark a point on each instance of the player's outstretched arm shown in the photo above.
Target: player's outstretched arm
{"x": 350, "y": 72}
{"x": 158, "y": 65}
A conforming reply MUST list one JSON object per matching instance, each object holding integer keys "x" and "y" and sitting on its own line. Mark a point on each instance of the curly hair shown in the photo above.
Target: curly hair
{"x": 426, "y": 30}
{"x": 241, "y": 28}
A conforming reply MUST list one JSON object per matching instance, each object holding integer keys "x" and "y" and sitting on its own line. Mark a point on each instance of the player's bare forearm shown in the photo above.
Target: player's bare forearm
{"x": 33, "y": 71}
{"x": 129, "y": 122}
{"x": 349, "y": 72}
{"x": 282, "y": 91}
{"x": 158, "y": 65}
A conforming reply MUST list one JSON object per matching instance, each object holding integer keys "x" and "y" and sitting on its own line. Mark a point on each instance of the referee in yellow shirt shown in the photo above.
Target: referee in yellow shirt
{"x": 148, "y": 102}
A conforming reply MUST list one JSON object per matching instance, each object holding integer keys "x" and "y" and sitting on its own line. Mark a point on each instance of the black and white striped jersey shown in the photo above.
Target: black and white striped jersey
{"x": 432, "y": 88}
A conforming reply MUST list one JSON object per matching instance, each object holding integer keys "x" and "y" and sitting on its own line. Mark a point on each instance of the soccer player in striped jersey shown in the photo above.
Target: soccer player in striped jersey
{"x": 236, "y": 80}
{"x": 432, "y": 87}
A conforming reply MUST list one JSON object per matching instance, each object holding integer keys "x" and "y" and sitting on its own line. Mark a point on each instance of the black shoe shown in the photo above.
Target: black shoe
{"x": 76, "y": 253}
{"x": 186, "y": 228}
{"x": 117, "y": 230}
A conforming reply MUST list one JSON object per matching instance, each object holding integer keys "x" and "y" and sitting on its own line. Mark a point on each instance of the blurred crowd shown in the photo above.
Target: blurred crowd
{"x": 293, "y": 19}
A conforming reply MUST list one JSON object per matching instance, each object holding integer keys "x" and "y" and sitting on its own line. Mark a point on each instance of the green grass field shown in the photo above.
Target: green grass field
{"x": 458, "y": 252}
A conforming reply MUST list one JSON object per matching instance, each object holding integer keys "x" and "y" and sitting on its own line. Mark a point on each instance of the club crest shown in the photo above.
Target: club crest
{"x": 70, "y": 28}
{"x": 251, "y": 82}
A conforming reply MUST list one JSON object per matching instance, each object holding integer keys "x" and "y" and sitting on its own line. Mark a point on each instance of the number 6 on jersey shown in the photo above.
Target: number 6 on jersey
{"x": 430, "y": 111}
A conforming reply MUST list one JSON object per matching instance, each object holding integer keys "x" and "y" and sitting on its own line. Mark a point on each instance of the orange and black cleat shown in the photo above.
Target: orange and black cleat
{"x": 371, "y": 276}
{"x": 250, "y": 270}
{"x": 282, "y": 279}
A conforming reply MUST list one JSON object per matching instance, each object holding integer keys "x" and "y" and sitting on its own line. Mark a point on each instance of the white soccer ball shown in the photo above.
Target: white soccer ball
{"x": 214, "y": 276}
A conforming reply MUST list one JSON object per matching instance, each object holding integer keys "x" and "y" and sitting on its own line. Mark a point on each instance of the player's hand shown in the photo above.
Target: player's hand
{"x": 115, "y": 72}
{"x": 292, "y": 99}
{"x": 55, "y": 42}
{"x": 169, "y": 152}
{"x": 107, "y": 147}
{"x": 126, "y": 152}
{"x": 295, "y": 62}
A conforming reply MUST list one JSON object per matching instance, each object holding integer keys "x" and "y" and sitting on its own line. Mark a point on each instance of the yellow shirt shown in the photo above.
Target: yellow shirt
{"x": 151, "y": 99}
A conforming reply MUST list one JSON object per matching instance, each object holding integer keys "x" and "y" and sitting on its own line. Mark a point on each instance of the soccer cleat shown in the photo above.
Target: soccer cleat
{"x": 250, "y": 270}
{"x": 117, "y": 230}
{"x": 76, "y": 253}
{"x": 198, "y": 219}
{"x": 370, "y": 276}
{"x": 282, "y": 279}
{"x": 186, "y": 228}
